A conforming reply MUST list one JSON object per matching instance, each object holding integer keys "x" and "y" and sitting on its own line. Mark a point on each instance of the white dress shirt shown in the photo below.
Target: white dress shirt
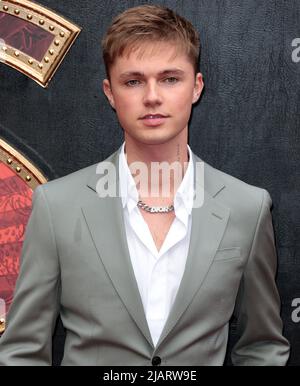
{"x": 158, "y": 273}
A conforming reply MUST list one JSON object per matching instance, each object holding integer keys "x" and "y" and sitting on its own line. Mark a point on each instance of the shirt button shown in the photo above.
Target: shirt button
{"x": 156, "y": 361}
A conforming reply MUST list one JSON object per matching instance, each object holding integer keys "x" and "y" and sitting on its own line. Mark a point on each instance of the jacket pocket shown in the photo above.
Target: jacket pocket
{"x": 228, "y": 253}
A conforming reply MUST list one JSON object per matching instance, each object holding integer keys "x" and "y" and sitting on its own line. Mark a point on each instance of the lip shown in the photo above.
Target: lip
{"x": 153, "y": 120}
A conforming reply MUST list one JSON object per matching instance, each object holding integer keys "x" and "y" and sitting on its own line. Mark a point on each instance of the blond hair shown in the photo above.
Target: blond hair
{"x": 149, "y": 23}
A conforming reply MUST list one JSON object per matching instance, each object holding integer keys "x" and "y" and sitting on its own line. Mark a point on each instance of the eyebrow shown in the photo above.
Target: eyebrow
{"x": 171, "y": 71}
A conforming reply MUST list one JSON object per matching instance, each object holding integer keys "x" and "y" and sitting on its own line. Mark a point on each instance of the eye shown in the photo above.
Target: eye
{"x": 171, "y": 80}
{"x": 133, "y": 82}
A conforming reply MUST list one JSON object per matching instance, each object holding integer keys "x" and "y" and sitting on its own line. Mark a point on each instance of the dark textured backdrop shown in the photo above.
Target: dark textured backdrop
{"x": 247, "y": 123}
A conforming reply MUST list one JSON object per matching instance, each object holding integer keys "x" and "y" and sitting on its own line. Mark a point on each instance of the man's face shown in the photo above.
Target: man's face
{"x": 152, "y": 92}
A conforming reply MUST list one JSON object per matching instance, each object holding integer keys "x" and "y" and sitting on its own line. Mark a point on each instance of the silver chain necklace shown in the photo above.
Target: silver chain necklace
{"x": 155, "y": 209}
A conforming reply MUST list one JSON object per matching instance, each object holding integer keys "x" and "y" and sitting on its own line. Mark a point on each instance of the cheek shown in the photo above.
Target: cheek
{"x": 127, "y": 109}
{"x": 182, "y": 101}
{"x": 126, "y": 102}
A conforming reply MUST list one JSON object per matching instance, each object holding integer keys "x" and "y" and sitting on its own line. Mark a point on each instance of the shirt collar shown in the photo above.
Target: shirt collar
{"x": 128, "y": 191}
{"x": 183, "y": 201}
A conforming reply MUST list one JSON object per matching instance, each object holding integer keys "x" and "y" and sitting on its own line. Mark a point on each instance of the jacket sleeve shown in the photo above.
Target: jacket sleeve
{"x": 27, "y": 339}
{"x": 261, "y": 341}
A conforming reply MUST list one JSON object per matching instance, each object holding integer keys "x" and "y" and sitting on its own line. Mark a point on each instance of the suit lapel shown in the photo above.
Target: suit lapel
{"x": 208, "y": 225}
{"x": 104, "y": 218}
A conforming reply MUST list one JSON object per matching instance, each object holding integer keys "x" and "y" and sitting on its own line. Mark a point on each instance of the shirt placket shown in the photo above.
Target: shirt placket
{"x": 157, "y": 297}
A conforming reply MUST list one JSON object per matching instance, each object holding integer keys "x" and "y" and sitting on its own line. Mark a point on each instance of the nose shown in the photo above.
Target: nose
{"x": 152, "y": 95}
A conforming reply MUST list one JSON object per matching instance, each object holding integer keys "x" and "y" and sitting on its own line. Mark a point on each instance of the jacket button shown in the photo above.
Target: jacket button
{"x": 156, "y": 361}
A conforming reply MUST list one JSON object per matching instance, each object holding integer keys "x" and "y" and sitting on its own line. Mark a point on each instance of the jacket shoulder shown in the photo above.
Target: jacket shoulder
{"x": 237, "y": 193}
{"x": 77, "y": 179}
{"x": 73, "y": 184}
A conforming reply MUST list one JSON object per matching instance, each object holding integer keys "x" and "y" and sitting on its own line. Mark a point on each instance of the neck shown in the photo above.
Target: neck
{"x": 174, "y": 150}
{"x": 164, "y": 166}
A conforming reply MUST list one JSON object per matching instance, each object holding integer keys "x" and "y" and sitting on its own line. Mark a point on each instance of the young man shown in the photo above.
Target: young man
{"x": 142, "y": 278}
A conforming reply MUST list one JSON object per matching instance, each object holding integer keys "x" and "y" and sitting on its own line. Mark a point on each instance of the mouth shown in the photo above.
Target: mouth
{"x": 153, "y": 116}
{"x": 154, "y": 119}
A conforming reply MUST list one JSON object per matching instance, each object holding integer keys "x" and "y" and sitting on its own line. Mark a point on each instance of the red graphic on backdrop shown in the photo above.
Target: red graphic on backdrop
{"x": 25, "y": 36}
{"x": 15, "y": 208}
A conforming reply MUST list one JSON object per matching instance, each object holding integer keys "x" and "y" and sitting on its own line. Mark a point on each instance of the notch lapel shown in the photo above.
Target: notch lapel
{"x": 208, "y": 226}
{"x": 104, "y": 218}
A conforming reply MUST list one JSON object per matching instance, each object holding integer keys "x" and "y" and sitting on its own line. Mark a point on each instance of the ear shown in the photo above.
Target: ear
{"x": 199, "y": 85}
{"x": 108, "y": 92}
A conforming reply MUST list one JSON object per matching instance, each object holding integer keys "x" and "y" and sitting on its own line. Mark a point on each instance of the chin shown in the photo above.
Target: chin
{"x": 159, "y": 140}
{"x": 155, "y": 137}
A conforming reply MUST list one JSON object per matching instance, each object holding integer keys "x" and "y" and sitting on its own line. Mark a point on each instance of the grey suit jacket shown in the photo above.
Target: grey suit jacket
{"x": 75, "y": 262}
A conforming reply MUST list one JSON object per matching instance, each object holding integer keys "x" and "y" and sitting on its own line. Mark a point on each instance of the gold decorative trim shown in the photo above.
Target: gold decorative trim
{"x": 2, "y": 325}
{"x": 18, "y": 163}
{"x": 63, "y": 30}
{"x": 30, "y": 175}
